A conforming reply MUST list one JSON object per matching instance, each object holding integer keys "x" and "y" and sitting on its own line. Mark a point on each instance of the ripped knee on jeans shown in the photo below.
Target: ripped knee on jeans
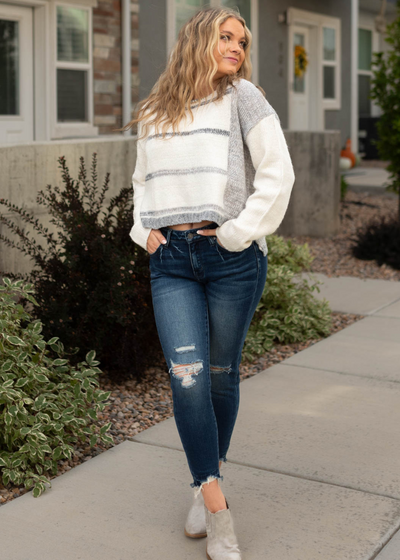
{"x": 220, "y": 369}
{"x": 186, "y": 372}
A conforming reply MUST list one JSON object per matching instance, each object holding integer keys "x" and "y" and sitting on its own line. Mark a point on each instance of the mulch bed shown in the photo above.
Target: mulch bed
{"x": 135, "y": 406}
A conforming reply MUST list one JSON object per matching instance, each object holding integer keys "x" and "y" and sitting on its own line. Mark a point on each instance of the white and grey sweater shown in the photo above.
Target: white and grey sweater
{"x": 231, "y": 165}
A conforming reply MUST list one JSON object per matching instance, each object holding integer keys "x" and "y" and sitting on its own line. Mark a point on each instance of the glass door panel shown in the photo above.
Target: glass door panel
{"x": 298, "y": 81}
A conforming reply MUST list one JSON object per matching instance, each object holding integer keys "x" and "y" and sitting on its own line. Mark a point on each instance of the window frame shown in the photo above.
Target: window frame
{"x": 317, "y": 21}
{"x": 329, "y": 102}
{"x": 72, "y": 129}
{"x": 171, "y": 30}
{"x": 375, "y": 110}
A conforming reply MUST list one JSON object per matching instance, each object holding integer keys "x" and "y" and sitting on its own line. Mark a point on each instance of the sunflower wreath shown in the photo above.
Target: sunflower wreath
{"x": 300, "y": 60}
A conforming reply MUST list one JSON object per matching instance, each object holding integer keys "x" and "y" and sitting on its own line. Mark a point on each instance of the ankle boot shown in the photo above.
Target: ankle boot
{"x": 195, "y": 526}
{"x": 221, "y": 539}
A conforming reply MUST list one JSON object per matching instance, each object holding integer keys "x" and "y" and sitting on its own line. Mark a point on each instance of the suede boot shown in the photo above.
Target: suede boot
{"x": 221, "y": 539}
{"x": 195, "y": 526}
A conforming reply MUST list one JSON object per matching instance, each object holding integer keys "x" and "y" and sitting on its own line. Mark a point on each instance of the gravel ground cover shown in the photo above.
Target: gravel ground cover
{"x": 135, "y": 406}
{"x": 332, "y": 255}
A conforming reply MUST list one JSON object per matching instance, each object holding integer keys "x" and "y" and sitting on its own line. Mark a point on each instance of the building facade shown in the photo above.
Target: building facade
{"x": 76, "y": 68}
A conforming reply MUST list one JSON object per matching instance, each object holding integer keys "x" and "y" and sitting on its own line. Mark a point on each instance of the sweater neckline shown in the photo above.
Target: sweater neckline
{"x": 195, "y": 101}
{"x": 209, "y": 97}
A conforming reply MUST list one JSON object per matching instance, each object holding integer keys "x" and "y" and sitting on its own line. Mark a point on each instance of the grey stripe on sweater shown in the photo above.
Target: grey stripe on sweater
{"x": 189, "y": 171}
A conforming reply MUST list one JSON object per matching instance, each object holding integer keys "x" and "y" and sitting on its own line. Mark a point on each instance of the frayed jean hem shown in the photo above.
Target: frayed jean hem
{"x": 198, "y": 485}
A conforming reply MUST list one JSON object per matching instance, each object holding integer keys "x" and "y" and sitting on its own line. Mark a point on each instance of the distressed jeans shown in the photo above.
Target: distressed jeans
{"x": 204, "y": 298}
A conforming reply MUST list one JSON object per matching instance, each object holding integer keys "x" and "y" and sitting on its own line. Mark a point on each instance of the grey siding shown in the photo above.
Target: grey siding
{"x": 273, "y": 52}
{"x": 273, "y": 56}
{"x": 153, "y": 41}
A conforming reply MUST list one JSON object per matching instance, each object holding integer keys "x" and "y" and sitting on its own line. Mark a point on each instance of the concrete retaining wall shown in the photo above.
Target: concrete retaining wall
{"x": 314, "y": 205}
{"x": 26, "y": 169}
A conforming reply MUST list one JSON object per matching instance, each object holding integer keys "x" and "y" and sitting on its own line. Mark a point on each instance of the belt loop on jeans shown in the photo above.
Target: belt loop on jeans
{"x": 168, "y": 236}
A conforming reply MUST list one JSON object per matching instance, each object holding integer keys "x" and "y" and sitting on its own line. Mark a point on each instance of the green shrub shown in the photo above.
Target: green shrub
{"x": 379, "y": 240}
{"x": 385, "y": 91}
{"x": 45, "y": 404}
{"x": 288, "y": 311}
{"x": 91, "y": 281}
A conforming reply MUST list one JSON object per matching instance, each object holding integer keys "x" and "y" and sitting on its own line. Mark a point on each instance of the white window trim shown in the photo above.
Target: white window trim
{"x": 332, "y": 103}
{"x": 375, "y": 109}
{"x": 304, "y": 17}
{"x": 44, "y": 69}
{"x": 71, "y": 129}
{"x": 171, "y": 31}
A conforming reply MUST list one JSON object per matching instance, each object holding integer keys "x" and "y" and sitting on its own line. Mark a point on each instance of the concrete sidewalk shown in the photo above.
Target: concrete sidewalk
{"x": 371, "y": 180}
{"x": 313, "y": 469}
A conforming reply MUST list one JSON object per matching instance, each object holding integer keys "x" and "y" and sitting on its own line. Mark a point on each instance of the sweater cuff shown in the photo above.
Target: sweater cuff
{"x": 226, "y": 236}
{"x": 140, "y": 235}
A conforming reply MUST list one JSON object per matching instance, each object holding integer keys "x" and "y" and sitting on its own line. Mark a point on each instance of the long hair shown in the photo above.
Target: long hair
{"x": 191, "y": 67}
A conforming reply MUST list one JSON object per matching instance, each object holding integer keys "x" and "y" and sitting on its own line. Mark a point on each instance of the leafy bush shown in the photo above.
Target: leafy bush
{"x": 385, "y": 91}
{"x": 288, "y": 311}
{"x": 45, "y": 404}
{"x": 91, "y": 281}
{"x": 379, "y": 240}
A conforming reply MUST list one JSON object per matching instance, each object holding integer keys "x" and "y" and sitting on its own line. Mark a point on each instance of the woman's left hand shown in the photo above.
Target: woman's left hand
{"x": 209, "y": 232}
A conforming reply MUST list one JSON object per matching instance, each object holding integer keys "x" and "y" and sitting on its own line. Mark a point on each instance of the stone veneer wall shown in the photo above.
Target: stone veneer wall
{"x": 107, "y": 63}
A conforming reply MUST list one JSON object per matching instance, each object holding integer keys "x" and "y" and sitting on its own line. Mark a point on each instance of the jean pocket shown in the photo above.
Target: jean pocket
{"x": 156, "y": 251}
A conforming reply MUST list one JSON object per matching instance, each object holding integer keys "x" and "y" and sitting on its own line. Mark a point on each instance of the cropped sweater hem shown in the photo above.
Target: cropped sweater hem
{"x": 229, "y": 165}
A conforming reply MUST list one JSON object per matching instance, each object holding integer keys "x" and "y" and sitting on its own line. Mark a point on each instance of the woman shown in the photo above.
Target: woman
{"x": 213, "y": 177}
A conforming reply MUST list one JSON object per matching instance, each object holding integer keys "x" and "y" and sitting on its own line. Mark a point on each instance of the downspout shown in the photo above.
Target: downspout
{"x": 354, "y": 76}
{"x": 126, "y": 65}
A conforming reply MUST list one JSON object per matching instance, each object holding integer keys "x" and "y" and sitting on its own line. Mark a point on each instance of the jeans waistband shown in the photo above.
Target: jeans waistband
{"x": 187, "y": 234}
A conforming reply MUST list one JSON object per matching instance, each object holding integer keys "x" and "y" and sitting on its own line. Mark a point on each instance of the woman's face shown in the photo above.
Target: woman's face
{"x": 232, "y": 44}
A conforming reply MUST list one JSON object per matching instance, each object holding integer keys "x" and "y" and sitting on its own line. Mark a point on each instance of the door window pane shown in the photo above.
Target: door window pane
{"x": 329, "y": 82}
{"x": 185, "y": 9}
{"x": 244, "y": 8}
{"x": 364, "y": 102}
{"x": 298, "y": 81}
{"x": 329, "y": 43}
{"x": 9, "y": 67}
{"x": 364, "y": 49}
{"x": 72, "y": 34}
{"x": 71, "y": 95}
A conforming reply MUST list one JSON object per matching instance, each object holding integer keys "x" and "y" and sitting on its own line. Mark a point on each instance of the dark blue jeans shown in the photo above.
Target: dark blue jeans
{"x": 204, "y": 298}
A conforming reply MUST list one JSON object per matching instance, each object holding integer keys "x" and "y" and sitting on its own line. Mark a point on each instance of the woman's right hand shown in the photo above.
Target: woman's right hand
{"x": 154, "y": 240}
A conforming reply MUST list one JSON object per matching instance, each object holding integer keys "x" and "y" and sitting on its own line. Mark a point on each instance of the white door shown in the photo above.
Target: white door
{"x": 16, "y": 74}
{"x": 299, "y": 86}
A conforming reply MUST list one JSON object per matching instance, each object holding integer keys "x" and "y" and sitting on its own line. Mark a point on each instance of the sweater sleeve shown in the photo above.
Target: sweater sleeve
{"x": 273, "y": 182}
{"x": 138, "y": 233}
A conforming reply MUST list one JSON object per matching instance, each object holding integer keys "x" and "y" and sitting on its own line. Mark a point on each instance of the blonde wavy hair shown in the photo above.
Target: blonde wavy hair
{"x": 191, "y": 65}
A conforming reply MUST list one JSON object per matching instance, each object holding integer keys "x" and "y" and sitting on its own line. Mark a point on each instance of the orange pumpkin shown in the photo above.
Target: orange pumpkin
{"x": 347, "y": 152}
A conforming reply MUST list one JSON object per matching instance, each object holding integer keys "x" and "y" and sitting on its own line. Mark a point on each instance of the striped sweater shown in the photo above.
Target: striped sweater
{"x": 231, "y": 165}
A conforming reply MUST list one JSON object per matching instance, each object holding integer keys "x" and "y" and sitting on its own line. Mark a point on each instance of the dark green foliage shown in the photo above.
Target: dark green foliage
{"x": 379, "y": 240}
{"x": 91, "y": 281}
{"x": 45, "y": 404}
{"x": 288, "y": 311}
{"x": 385, "y": 90}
